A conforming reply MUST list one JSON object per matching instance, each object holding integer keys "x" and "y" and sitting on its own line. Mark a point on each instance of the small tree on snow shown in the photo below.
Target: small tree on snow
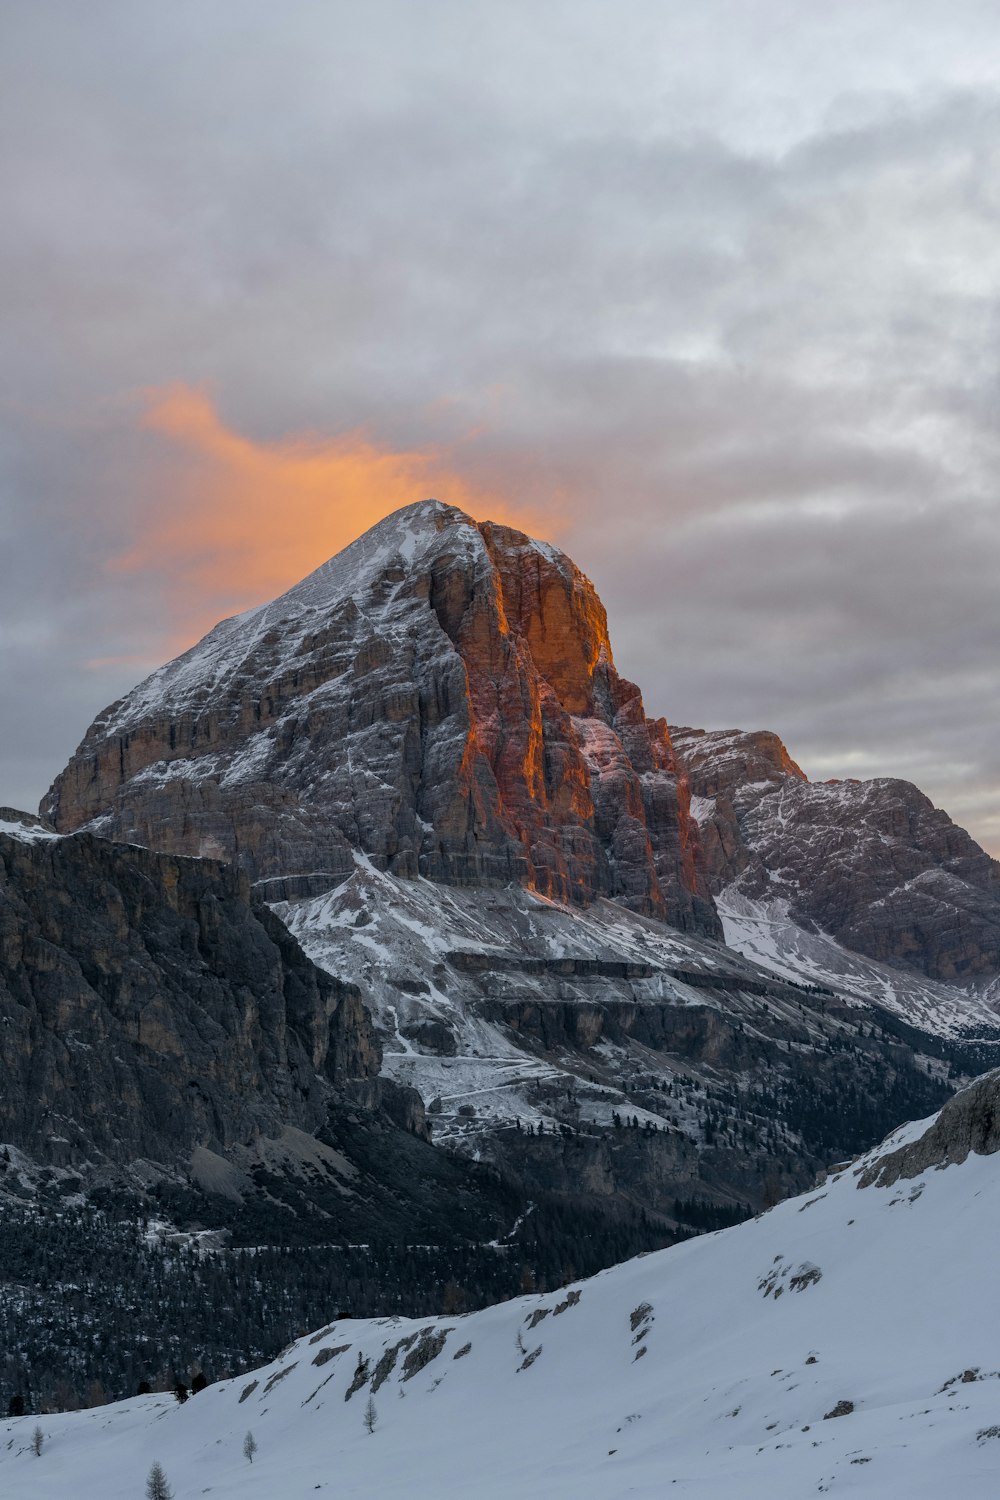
{"x": 249, "y": 1447}
{"x": 157, "y": 1487}
{"x": 371, "y": 1414}
{"x": 37, "y": 1441}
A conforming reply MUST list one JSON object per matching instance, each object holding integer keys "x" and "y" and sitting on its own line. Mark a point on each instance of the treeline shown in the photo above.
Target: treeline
{"x": 705, "y": 1217}
{"x": 93, "y": 1308}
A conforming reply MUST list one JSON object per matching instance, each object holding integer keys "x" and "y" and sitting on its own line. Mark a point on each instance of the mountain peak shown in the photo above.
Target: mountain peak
{"x": 441, "y": 696}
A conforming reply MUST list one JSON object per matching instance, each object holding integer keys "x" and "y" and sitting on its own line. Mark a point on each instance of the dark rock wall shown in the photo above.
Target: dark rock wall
{"x": 149, "y": 1006}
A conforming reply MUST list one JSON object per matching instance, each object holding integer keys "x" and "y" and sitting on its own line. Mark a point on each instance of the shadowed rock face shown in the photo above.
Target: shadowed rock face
{"x": 149, "y": 1007}
{"x": 874, "y": 863}
{"x": 441, "y": 696}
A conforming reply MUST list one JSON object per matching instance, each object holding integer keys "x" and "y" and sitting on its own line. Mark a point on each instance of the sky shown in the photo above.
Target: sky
{"x": 708, "y": 294}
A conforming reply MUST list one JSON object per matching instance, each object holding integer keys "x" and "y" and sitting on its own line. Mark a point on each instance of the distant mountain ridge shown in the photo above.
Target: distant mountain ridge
{"x": 872, "y": 863}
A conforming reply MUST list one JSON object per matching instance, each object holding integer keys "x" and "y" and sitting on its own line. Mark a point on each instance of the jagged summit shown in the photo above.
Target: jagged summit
{"x": 724, "y": 758}
{"x": 440, "y": 696}
{"x": 409, "y": 539}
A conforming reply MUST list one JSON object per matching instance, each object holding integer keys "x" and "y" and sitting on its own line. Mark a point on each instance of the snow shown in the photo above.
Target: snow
{"x": 707, "y": 1371}
{"x": 403, "y": 941}
{"x": 27, "y": 832}
{"x": 702, "y": 809}
{"x": 765, "y": 932}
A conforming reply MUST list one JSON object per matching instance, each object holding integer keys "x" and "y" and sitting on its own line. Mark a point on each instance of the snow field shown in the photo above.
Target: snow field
{"x": 707, "y": 1370}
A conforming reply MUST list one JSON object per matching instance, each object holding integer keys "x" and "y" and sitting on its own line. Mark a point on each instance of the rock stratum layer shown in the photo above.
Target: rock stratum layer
{"x": 441, "y": 696}
{"x": 874, "y": 863}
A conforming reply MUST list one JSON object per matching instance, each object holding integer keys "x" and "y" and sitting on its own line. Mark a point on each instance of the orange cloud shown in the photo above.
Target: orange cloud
{"x": 237, "y": 522}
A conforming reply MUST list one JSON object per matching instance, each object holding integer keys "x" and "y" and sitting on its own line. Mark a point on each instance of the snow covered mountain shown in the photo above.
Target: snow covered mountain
{"x": 864, "y": 886}
{"x": 441, "y": 697}
{"x": 424, "y": 758}
{"x": 841, "y": 1343}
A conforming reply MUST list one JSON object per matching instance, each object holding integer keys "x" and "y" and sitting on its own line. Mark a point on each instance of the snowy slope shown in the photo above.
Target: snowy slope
{"x": 405, "y": 941}
{"x": 24, "y": 826}
{"x": 766, "y": 932}
{"x": 711, "y": 1370}
{"x": 483, "y": 1009}
{"x": 295, "y": 616}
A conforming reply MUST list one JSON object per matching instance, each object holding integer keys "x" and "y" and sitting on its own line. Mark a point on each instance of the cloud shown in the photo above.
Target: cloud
{"x": 707, "y": 293}
{"x": 237, "y": 521}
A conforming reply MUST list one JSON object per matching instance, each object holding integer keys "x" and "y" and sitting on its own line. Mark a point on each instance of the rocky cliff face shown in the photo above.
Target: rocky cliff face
{"x": 441, "y": 696}
{"x": 873, "y": 863}
{"x": 150, "y": 1009}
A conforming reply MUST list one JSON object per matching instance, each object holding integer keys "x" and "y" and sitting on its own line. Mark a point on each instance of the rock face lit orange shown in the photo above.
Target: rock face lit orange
{"x": 441, "y": 697}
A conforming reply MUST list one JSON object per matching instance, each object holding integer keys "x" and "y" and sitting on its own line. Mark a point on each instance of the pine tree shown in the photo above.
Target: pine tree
{"x": 157, "y": 1487}
{"x": 249, "y": 1447}
{"x": 371, "y": 1414}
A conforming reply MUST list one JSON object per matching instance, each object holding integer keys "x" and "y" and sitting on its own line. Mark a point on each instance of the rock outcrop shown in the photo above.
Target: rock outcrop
{"x": 968, "y": 1123}
{"x": 441, "y": 696}
{"x": 873, "y": 863}
{"x": 150, "y": 1009}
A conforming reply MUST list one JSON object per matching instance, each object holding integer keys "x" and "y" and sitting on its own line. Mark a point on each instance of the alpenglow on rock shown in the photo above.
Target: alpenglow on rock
{"x": 440, "y": 696}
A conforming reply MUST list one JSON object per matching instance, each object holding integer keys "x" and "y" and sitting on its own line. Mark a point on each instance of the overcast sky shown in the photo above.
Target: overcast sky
{"x": 706, "y": 292}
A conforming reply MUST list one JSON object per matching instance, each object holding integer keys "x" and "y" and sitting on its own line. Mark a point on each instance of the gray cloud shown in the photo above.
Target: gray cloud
{"x": 714, "y": 287}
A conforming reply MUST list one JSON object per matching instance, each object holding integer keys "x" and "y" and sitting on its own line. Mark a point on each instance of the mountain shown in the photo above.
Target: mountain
{"x": 424, "y": 758}
{"x": 837, "y": 1344}
{"x": 872, "y": 864}
{"x": 441, "y": 697}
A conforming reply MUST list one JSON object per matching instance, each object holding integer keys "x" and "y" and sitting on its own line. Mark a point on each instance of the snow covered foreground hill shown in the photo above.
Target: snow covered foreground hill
{"x": 846, "y": 1343}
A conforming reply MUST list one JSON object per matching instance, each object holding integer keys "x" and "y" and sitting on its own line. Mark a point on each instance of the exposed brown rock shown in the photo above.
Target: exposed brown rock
{"x": 442, "y": 697}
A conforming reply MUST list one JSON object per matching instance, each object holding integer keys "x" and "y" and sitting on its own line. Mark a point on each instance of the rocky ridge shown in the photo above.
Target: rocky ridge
{"x": 872, "y": 863}
{"x": 440, "y": 696}
{"x": 165, "y": 1034}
